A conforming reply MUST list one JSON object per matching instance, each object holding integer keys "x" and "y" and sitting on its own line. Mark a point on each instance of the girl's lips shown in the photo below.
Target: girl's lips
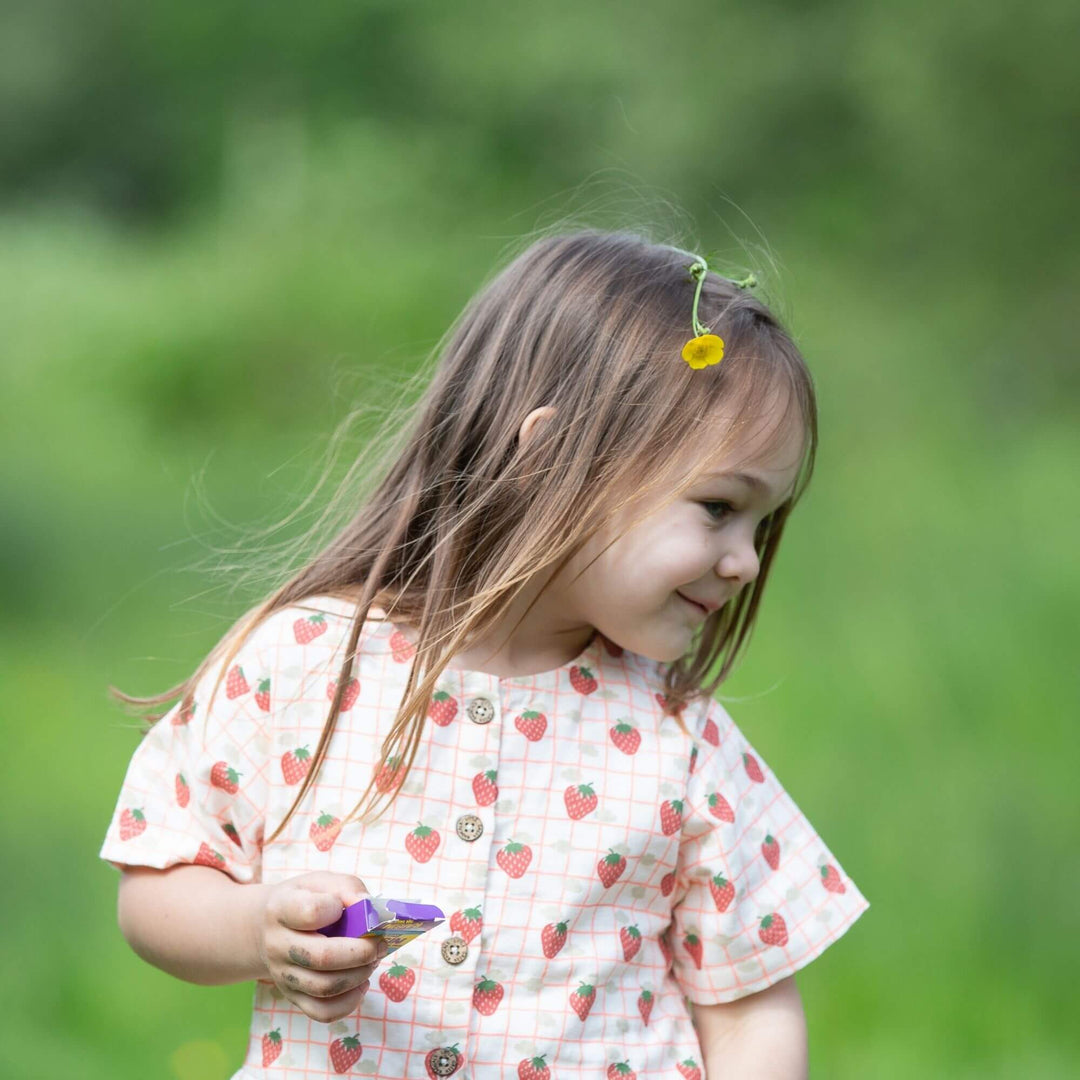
{"x": 693, "y": 603}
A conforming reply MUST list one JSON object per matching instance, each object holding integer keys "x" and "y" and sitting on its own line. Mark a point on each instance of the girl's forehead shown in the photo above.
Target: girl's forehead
{"x": 772, "y": 444}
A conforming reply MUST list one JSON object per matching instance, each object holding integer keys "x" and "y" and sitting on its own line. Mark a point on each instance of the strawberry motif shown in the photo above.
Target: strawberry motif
{"x": 324, "y": 831}
{"x": 693, "y": 758}
{"x": 720, "y": 808}
{"x": 422, "y": 842}
{"x": 397, "y": 982}
{"x": 271, "y": 1047}
{"x": 533, "y": 1069}
{"x": 295, "y": 764}
{"x": 515, "y": 858}
{"x": 467, "y": 923}
{"x": 401, "y": 647}
{"x": 581, "y": 1000}
{"x": 612, "y": 649}
{"x": 443, "y": 708}
{"x": 620, "y": 1070}
{"x": 665, "y": 948}
{"x": 305, "y": 630}
{"x": 345, "y": 1053}
{"x": 235, "y": 683}
{"x": 183, "y": 716}
{"x": 689, "y": 1068}
{"x": 692, "y": 944}
{"x": 581, "y": 679}
{"x": 773, "y": 930}
{"x": 183, "y": 792}
{"x": 667, "y": 883}
{"x": 132, "y": 822}
{"x": 207, "y": 856}
{"x": 580, "y": 800}
{"x": 625, "y": 737}
{"x": 229, "y": 829}
{"x": 553, "y": 938}
{"x": 484, "y": 787}
{"x": 671, "y": 816}
{"x": 224, "y": 776}
{"x": 630, "y": 936}
{"x": 771, "y": 850}
{"x": 830, "y": 879}
{"x": 711, "y": 734}
{"x": 441, "y": 1059}
{"x": 644, "y": 1005}
{"x": 348, "y": 698}
{"x": 390, "y": 773}
{"x": 486, "y": 996}
{"x": 262, "y": 695}
{"x": 723, "y": 892}
{"x": 753, "y": 769}
{"x": 531, "y": 724}
{"x": 610, "y": 867}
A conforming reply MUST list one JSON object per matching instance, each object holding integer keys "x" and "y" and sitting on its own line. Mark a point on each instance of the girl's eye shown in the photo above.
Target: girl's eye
{"x": 715, "y": 515}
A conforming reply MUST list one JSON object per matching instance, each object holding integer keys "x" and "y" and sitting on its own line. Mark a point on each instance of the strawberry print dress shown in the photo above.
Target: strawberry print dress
{"x": 601, "y": 870}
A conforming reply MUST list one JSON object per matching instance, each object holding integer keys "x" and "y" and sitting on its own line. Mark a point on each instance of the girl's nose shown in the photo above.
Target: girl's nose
{"x": 740, "y": 564}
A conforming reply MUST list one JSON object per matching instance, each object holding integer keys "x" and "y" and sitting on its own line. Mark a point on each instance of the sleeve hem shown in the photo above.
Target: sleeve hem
{"x": 769, "y": 978}
{"x": 241, "y": 874}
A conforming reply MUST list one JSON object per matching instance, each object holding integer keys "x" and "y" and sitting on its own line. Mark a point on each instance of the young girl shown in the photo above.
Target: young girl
{"x": 493, "y": 691}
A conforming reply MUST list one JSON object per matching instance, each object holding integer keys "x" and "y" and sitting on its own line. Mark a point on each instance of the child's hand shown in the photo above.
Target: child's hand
{"x": 325, "y": 977}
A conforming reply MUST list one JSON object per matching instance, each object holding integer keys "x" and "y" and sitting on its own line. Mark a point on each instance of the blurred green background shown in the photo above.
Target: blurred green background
{"x": 224, "y": 225}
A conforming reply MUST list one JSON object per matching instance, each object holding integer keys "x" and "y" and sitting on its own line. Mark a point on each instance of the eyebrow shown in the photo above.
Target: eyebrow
{"x": 751, "y": 480}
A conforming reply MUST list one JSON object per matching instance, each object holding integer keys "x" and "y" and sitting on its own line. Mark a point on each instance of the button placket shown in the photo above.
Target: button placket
{"x": 474, "y": 825}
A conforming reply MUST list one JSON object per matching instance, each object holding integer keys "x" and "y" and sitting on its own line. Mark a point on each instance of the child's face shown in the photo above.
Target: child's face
{"x": 699, "y": 546}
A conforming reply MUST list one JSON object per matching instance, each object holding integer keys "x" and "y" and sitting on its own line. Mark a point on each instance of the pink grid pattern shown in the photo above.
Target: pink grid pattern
{"x": 663, "y": 889}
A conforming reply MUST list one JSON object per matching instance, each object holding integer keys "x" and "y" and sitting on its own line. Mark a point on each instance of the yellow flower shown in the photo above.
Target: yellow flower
{"x": 702, "y": 351}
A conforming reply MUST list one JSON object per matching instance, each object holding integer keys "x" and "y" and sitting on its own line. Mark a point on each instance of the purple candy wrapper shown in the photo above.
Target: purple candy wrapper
{"x": 397, "y": 922}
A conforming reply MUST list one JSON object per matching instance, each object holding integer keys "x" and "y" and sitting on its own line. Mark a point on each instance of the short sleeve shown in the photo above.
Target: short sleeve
{"x": 196, "y": 787}
{"x": 759, "y": 895}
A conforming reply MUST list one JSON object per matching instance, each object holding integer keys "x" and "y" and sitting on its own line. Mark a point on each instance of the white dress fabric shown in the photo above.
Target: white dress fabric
{"x": 600, "y": 870}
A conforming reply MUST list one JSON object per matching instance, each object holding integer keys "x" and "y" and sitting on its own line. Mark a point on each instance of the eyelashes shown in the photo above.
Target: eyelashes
{"x": 726, "y": 509}
{"x": 707, "y": 503}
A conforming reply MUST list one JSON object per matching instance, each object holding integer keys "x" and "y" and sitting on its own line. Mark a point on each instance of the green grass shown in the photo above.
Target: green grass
{"x": 912, "y": 680}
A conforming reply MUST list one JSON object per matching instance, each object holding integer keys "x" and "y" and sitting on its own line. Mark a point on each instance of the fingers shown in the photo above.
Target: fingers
{"x": 323, "y": 984}
{"x": 327, "y": 1010}
{"x": 315, "y": 952}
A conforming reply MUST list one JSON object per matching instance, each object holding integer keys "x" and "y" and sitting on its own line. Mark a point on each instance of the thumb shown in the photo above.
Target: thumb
{"x": 346, "y": 888}
{"x": 350, "y": 889}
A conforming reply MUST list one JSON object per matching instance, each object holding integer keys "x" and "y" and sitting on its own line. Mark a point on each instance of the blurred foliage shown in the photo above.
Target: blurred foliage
{"x": 222, "y": 225}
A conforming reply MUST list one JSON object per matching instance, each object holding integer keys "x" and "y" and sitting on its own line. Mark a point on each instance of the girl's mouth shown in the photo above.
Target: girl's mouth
{"x": 692, "y": 603}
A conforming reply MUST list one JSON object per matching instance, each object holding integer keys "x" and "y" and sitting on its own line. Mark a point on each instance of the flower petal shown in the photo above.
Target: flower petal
{"x": 704, "y": 350}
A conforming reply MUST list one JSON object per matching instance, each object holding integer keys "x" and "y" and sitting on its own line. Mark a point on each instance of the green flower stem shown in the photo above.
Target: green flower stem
{"x": 698, "y": 269}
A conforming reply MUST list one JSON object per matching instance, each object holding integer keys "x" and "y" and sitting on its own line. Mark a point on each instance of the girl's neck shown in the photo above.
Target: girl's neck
{"x": 535, "y": 647}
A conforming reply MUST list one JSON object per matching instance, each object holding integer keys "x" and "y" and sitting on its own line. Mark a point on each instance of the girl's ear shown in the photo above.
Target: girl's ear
{"x": 537, "y": 416}
{"x": 528, "y": 425}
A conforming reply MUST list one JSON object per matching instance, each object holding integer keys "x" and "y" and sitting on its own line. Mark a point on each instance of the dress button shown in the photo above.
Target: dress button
{"x": 454, "y": 950}
{"x": 444, "y": 1061}
{"x": 481, "y": 711}
{"x": 469, "y": 827}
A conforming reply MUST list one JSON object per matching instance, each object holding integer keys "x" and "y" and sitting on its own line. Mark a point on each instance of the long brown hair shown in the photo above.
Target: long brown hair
{"x": 592, "y": 323}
